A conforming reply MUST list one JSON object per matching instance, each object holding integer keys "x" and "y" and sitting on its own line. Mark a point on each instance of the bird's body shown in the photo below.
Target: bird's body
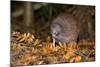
{"x": 64, "y": 28}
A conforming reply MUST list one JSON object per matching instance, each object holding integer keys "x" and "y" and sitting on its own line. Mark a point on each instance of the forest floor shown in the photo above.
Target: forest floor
{"x": 26, "y": 49}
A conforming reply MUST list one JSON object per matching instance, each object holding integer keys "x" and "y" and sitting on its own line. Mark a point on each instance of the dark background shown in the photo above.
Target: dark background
{"x": 36, "y": 17}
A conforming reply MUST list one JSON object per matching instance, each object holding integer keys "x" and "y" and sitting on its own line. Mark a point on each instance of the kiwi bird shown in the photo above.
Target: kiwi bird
{"x": 64, "y": 28}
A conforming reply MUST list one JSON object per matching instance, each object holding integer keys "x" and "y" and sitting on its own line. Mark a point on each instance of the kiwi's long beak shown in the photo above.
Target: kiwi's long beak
{"x": 53, "y": 41}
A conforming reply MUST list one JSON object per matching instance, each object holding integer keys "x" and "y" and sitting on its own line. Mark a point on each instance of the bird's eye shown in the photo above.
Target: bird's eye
{"x": 56, "y": 33}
